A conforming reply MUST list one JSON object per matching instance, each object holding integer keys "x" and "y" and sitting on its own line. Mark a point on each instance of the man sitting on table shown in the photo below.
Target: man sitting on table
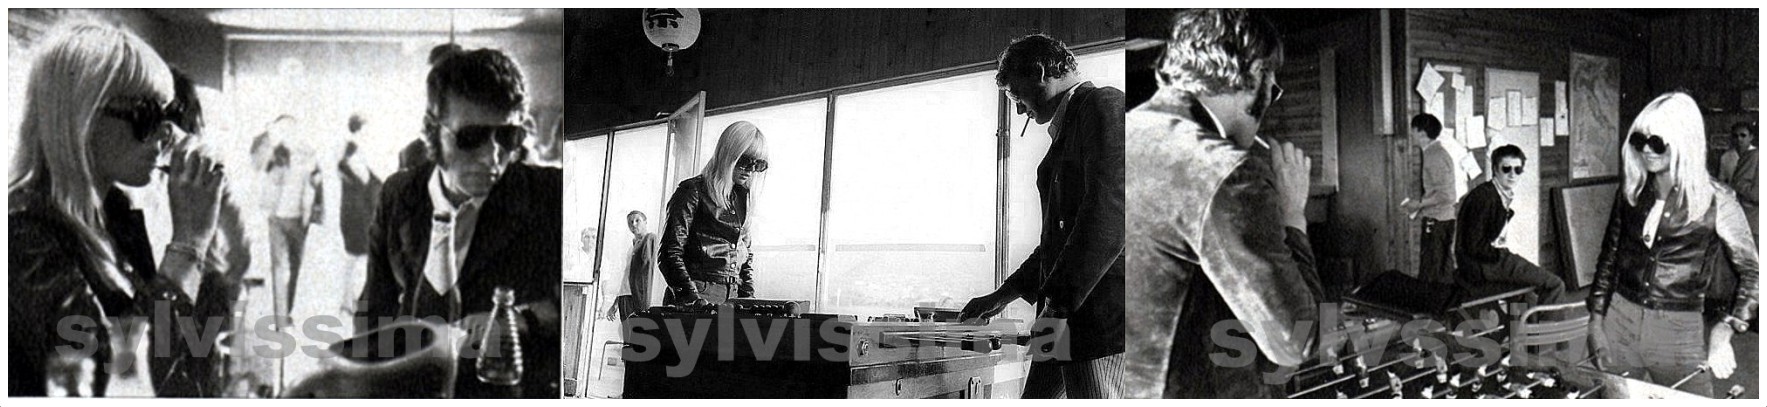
{"x": 449, "y": 232}
{"x": 1480, "y": 246}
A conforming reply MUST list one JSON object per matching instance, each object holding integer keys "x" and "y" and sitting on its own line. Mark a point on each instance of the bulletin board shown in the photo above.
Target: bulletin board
{"x": 1506, "y": 112}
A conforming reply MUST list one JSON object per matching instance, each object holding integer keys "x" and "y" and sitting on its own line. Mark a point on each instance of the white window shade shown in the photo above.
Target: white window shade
{"x": 788, "y": 199}
{"x": 911, "y": 218}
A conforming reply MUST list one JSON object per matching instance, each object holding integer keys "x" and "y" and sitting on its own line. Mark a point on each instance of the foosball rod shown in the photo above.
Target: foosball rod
{"x": 1696, "y": 372}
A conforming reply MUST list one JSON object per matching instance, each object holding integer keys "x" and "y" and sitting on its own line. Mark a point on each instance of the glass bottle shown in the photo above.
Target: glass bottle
{"x": 500, "y": 352}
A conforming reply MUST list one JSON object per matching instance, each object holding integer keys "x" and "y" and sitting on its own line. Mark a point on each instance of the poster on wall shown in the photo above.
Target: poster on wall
{"x": 1595, "y": 116}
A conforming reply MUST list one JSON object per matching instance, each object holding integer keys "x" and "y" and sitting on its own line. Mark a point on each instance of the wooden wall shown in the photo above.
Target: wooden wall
{"x": 1713, "y": 54}
{"x": 746, "y": 55}
{"x": 1538, "y": 41}
{"x": 1347, "y": 233}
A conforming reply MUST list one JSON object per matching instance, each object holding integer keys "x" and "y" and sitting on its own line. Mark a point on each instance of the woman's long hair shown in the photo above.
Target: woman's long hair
{"x": 81, "y": 68}
{"x": 1676, "y": 118}
{"x": 720, "y": 171}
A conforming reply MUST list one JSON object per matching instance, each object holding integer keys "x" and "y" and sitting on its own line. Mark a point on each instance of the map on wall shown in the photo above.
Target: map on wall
{"x": 1595, "y": 116}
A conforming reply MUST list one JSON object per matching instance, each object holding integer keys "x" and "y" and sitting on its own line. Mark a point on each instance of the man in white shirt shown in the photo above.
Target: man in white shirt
{"x": 1442, "y": 184}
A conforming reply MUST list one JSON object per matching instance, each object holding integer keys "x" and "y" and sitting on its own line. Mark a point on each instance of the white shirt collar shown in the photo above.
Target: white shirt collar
{"x": 439, "y": 198}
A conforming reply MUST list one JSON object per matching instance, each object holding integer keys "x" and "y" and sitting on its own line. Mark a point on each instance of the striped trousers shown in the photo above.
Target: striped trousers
{"x": 1100, "y": 378}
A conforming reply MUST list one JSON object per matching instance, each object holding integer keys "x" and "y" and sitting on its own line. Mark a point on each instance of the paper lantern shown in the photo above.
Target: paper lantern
{"x": 672, "y": 29}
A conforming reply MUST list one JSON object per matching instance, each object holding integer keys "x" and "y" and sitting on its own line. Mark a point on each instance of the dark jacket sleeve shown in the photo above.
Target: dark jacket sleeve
{"x": 1480, "y": 222}
{"x": 1601, "y": 287}
{"x": 1024, "y": 281}
{"x": 1096, "y": 242}
{"x": 380, "y": 292}
{"x": 677, "y": 228}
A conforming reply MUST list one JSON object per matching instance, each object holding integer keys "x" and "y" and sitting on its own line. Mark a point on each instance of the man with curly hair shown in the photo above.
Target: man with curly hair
{"x": 1075, "y": 275}
{"x": 1222, "y": 276}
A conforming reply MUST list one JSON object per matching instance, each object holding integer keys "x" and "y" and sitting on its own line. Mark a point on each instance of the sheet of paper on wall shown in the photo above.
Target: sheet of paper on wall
{"x": 1457, "y": 151}
{"x": 1469, "y": 165}
{"x": 1495, "y": 112}
{"x": 1459, "y": 83}
{"x": 1435, "y": 106}
{"x": 1513, "y": 100}
{"x": 1561, "y": 116}
{"x": 1475, "y": 138}
{"x": 1428, "y": 82}
{"x": 1463, "y": 107}
{"x": 1546, "y": 137}
{"x": 1531, "y": 111}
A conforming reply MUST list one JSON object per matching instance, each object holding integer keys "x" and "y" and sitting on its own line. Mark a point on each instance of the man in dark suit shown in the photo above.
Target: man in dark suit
{"x": 447, "y": 233}
{"x": 1075, "y": 276}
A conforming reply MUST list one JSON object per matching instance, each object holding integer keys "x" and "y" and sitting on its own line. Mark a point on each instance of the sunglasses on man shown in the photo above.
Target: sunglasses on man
{"x": 146, "y": 116}
{"x": 751, "y": 164}
{"x": 1510, "y": 169}
{"x": 472, "y": 137}
{"x": 1641, "y": 140}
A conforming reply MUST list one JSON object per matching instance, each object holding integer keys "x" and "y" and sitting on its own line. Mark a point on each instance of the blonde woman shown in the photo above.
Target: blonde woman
{"x": 1648, "y": 299}
{"x": 705, "y": 244}
{"x": 79, "y": 262}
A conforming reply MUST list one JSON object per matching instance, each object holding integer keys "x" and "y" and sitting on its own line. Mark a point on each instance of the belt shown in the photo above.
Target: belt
{"x": 714, "y": 278}
{"x": 1684, "y": 305}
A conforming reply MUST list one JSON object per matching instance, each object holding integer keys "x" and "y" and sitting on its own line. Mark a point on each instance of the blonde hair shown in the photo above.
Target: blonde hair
{"x": 83, "y": 66}
{"x": 738, "y": 139}
{"x": 1676, "y": 118}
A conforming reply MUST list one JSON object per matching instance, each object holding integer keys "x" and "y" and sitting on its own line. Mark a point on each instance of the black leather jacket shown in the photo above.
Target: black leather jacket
{"x": 705, "y": 243}
{"x": 51, "y": 276}
{"x": 1670, "y": 274}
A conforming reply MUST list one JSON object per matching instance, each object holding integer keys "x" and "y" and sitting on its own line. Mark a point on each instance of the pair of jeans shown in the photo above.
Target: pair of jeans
{"x": 1655, "y": 345}
{"x": 714, "y": 293}
{"x": 1436, "y": 251}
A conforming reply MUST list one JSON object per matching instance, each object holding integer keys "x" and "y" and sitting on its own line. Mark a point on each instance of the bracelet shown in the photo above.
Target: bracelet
{"x": 185, "y": 248}
{"x": 1736, "y": 324}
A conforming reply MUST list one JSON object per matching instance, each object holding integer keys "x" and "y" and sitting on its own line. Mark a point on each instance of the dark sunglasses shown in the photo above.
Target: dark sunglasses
{"x": 751, "y": 164}
{"x": 1656, "y": 143}
{"x": 145, "y": 115}
{"x": 1511, "y": 169}
{"x": 472, "y": 137}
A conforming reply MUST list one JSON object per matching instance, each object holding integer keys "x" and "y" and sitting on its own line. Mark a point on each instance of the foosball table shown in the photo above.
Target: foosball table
{"x": 772, "y": 349}
{"x": 1405, "y": 339}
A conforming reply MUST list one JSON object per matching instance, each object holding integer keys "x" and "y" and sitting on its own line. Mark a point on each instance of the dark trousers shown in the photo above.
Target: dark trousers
{"x": 1513, "y": 269}
{"x": 1100, "y": 378}
{"x": 1436, "y": 251}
